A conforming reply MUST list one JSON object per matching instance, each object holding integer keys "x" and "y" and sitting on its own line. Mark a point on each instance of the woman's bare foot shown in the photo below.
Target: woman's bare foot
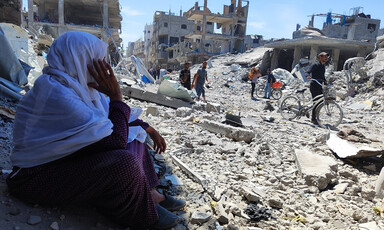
{"x": 156, "y": 196}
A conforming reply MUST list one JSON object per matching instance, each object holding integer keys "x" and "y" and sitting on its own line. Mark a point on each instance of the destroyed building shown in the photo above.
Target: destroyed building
{"x": 56, "y": 17}
{"x": 353, "y": 35}
{"x": 191, "y": 36}
{"x": 168, "y": 30}
{"x": 10, "y": 11}
{"x": 138, "y": 48}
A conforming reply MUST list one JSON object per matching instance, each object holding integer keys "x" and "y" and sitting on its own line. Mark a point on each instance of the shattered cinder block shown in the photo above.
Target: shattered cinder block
{"x": 235, "y": 133}
{"x": 315, "y": 169}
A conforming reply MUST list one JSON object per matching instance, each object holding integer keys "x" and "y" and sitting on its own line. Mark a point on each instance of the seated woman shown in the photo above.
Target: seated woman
{"x": 71, "y": 142}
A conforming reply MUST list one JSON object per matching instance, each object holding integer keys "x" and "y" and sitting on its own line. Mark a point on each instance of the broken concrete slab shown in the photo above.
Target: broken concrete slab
{"x": 200, "y": 217}
{"x": 154, "y": 97}
{"x": 364, "y": 105}
{"x": 315, "y": 169}
{"x": 344, "y": 149}
{"x": 235, "y": 133}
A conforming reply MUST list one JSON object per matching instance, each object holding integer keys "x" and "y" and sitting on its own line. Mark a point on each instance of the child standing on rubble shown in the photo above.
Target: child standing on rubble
{"x": 73, "y": 144}
{"x": 253, "y": 76}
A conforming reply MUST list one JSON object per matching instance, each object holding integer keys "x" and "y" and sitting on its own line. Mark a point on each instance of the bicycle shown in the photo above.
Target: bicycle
{"x": 276, "y": 91}
{"x": 328, "y": 112}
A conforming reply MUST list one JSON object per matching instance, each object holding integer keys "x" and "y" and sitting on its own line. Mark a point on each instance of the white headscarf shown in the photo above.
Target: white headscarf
{"x": 61, "y": 114}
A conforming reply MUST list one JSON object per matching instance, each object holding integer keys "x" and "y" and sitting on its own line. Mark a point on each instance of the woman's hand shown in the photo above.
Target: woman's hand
{"x": 158, "y": 141}
{"x": 106, "y": 80}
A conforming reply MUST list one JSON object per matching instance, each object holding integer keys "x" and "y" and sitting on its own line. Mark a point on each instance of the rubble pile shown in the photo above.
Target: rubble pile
{"x": 267, "y": 174}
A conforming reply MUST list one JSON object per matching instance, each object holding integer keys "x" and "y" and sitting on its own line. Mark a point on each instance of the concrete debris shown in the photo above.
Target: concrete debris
{"x": 183, "y": 112}
{"x": 236, "y": 133}
{"x": 154, "y": 111}
{"x": 340, "y": 188}
{"x": 315, "y": 169}
{"x": 54, "y": 226}
{"x": 200, "y": 217}
{"x": 250, "y": 195}
{"x": 223, "y": 216}
{"x": 33, "y": 220}
{"x": 154, "y": 97}
{"x": 344, "y": 149}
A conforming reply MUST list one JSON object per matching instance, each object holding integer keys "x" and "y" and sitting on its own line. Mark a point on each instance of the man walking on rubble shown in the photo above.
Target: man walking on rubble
{"x": 185, "y": 76}
{"x": 199, "y": 80}
{"x": 317, "y": 70}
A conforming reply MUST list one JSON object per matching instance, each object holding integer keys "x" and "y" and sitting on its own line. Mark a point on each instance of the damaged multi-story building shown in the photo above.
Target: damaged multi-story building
{"x": 101, "y": 18}
{"x": 351, "y": 36}
{"x": 192, "y": 36}
{"x": 10, "y": 11}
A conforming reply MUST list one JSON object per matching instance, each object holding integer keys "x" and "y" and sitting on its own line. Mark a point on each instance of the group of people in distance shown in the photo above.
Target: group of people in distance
{"x": 254, "y": 75}
{"x": 316, "y": 71}
{"x": 199, "y": 80}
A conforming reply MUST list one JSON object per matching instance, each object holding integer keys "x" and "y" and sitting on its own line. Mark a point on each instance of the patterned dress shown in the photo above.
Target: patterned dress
{"x": 110, "y": 174}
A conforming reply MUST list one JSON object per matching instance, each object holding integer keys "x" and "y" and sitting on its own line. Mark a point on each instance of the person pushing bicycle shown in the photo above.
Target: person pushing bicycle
{"x": 317, "y": 70}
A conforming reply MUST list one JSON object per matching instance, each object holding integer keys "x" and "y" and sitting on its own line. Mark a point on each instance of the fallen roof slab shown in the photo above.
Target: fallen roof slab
{"x": 154, "y": 97}
{"x": 344, "y": 149}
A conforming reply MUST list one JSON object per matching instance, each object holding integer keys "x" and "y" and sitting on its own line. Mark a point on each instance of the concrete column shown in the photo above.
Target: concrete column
{"x": 21, "y": 15}
{"x": 362, "y": 52}
{"x": 30, "y": 12}
{"x": 296, "y": 55}
{"x": 204, "y": 25}
{"x": 61, "y": 17}
{"x": 104, "y": 34}
{"x": 335, "y": 58}
{"x": 314, "y": 53}
{"x": 275, "y": 59}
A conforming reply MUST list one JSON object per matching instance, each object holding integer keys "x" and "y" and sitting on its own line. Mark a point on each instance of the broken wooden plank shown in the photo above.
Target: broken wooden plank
{"x": 344, "y": 149}
{"x": 154, "y": 97}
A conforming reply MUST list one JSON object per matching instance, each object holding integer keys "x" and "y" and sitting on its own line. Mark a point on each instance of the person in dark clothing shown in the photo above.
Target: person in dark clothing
{"x": 185, "y": 76}
{"x": 317, "y": 70}
{"x": 270, "y": 80}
